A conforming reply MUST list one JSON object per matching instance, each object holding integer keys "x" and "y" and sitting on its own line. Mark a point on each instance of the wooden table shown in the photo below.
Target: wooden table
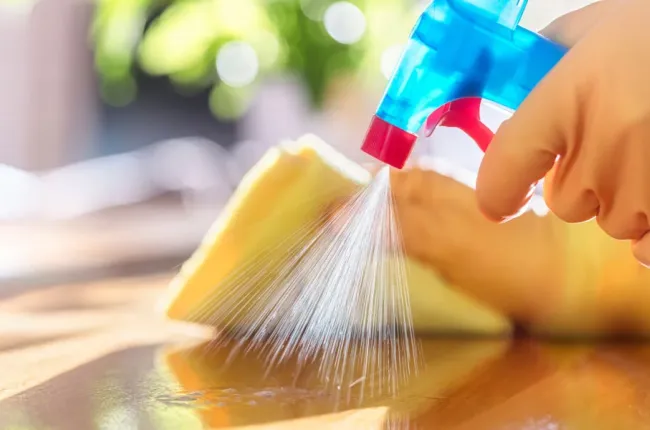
{"x": 96, "y": 355}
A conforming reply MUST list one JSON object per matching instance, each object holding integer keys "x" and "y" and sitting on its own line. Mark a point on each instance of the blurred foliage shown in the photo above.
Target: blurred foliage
{"x": 181, "y": 39}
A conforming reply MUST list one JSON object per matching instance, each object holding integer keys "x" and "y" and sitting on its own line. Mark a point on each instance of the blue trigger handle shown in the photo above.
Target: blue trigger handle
{"x": 466, "y": 48}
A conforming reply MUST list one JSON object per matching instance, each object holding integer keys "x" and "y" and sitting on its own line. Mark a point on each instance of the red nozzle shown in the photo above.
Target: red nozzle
{"x": 392, "y": 145}
{"x": 388, "y": 143}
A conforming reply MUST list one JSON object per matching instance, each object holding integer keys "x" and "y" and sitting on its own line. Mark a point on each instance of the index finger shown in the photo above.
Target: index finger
{"x": 526, "y": 146}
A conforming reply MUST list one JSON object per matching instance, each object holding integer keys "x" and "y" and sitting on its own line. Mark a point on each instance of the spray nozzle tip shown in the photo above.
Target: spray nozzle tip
{"x": 388, "y": 143}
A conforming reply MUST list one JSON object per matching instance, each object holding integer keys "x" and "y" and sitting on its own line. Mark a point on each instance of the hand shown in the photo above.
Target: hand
{"x": 585, "y": 128}
{"x": 503, "y": 265}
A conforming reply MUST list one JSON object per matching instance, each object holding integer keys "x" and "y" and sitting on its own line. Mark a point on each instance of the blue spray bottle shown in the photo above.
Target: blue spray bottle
{"x": 459, "y": 52}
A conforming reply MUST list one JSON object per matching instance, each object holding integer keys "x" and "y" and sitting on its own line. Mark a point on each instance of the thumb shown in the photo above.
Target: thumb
{"x": 526, "y": 146}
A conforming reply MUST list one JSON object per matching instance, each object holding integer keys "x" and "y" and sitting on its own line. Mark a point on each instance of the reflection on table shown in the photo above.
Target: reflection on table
{"x": 464, "y": 384}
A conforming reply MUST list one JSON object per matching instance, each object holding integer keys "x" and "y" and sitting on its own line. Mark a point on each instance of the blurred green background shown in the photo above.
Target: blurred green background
{"x": 230, "y": 46}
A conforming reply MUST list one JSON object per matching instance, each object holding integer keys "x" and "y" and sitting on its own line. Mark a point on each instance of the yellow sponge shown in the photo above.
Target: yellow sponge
{"x": 291, "y": 188}
{"x": 438, "y": 308}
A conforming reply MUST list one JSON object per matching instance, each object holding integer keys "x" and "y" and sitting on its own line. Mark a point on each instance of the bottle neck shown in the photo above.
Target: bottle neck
{"x": 504, "y": 13}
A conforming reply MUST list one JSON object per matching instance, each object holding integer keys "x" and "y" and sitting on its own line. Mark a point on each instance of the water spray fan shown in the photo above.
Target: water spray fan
{"x": 459, "y": 53}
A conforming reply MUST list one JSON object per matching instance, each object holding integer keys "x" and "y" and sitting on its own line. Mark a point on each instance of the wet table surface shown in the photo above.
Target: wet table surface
{"x": 96, "y": 356}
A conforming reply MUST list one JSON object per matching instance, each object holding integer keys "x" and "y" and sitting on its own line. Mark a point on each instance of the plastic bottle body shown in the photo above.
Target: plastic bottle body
{"x": 456, "y": 52}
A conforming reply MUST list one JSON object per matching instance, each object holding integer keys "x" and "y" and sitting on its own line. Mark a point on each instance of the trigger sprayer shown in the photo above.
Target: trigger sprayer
{"x": 459, "y": 52}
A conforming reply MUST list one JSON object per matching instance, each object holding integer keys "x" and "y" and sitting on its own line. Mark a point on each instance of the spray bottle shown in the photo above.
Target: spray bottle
{"x": 459, "y": 53}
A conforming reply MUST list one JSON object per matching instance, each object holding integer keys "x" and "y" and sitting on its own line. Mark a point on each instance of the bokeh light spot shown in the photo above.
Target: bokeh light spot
{"x": 389, "y": 59}
{"x": 345, "y": 22}
{"x": 229, "y": 103}
{"x": 237, "y": 64}
{"x": 268, "y": 48}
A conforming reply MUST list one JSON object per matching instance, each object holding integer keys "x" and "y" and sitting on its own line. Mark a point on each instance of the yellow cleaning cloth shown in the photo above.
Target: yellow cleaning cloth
{"x": 290, "y": 188}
